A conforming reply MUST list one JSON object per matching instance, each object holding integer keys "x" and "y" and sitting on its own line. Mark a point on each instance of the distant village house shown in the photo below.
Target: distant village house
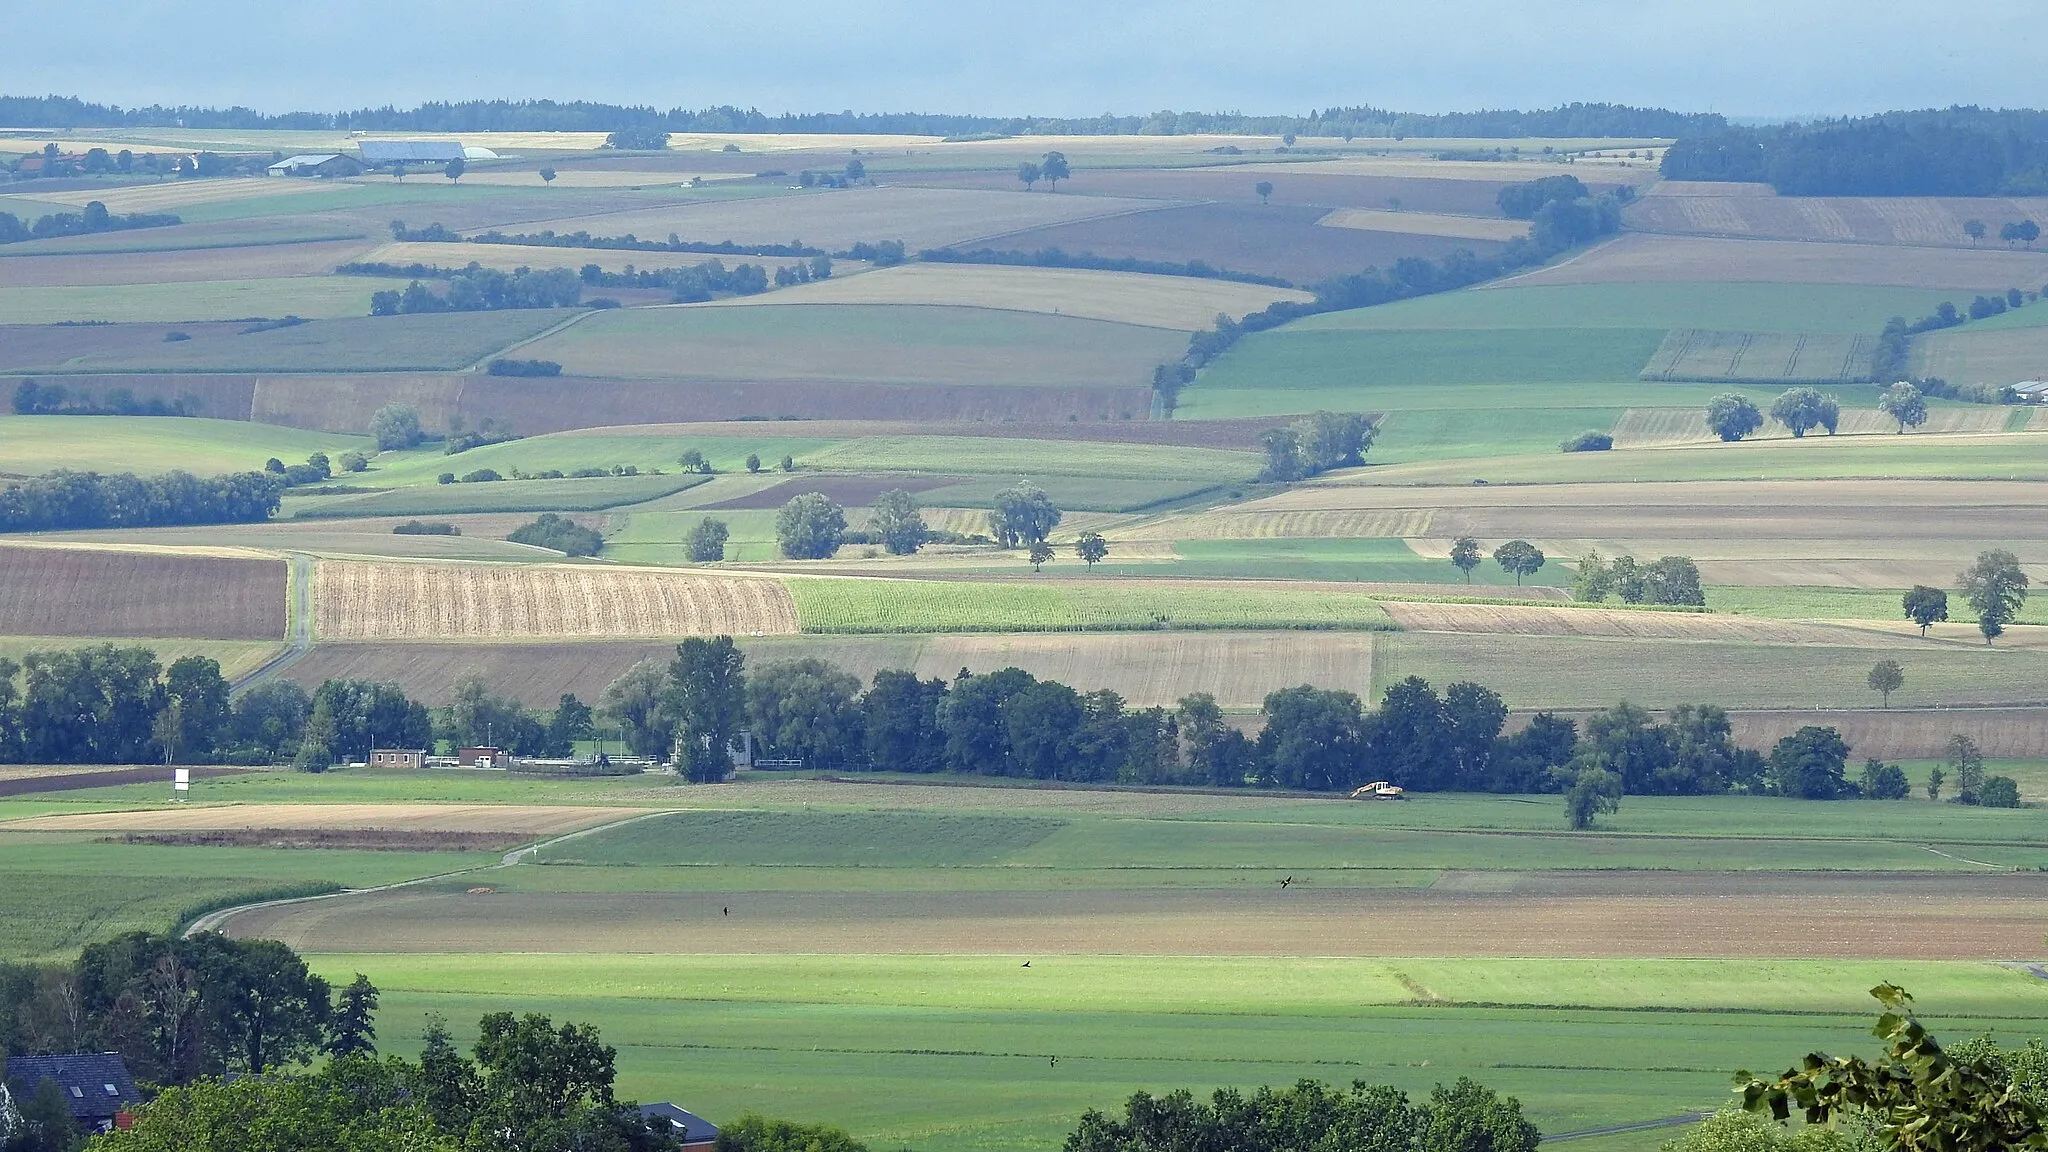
{"x": 398, "y": 758}
{"x": 328, "y": 164}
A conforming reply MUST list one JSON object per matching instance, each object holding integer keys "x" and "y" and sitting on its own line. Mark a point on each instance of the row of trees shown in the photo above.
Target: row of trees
{"x": 93, "y": 218}
{"x": 48, "y": 398}
{"x": 105, "y": 704}
{"x": 1312, "y": 1116}
{"x": 1315, "y": 444}
{"x": 66, "y": 499}
{"x": 813, "y": 526}
{"x": 480, "y": 289}
{"x": 1733, "y": 416}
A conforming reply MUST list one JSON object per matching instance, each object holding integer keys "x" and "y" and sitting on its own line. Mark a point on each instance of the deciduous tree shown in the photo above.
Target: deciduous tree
{"x": 1465, "y": 556}
{"x": 1053, "y": 167}
{"x": 1904, "y": 403}
{"x": 1731, "y": 416}
{"x": 1040, "y": 553}
{"x": 1801, "y": 410}
{"x": 899, "y": 522}
{"x": 1091, "y": 547}
{"x": 810, "y": 527}
{"x": 1926, "y": 606}
{"x": 1996, "y": 587}
{"x": 706, "y": 543}
{"x": 1265, "y": 190}
{"x": 1022, "y": 513}
{"x": 1519, "y": 557}
{"x": 1887, "y": 677}
{"x": 707, "y": 698}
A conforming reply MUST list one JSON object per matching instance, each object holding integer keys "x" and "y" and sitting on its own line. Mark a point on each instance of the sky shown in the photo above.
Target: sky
{"x": 1744, "y": 58}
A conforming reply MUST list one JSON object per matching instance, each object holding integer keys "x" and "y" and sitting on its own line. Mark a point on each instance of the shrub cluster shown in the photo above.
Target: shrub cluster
{"x": 66, "y": 499}
{"x": 560, "y": 534}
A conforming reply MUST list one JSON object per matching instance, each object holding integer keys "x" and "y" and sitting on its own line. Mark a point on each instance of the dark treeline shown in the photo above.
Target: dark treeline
{"x": 1945, "y": 152}
{"x": 1611, "y": 120}
{"x": 480, "y": 289}
{"x": 94, "y": 218}
{"x": 628, "y": 243}
{"x": 51, "y": 399}
{"x": 66, "y": 499}
{"x": 1010, "y": 723}
{"x": 136, "y": 711}
{"x": 1559, "y": 221}
{"x": 1894, "y": 348}
{"x": 1056, "y": 258}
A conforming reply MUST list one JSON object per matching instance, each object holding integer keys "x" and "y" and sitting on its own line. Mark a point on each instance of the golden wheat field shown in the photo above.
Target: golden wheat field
{"x": 1425, "y": 224}
{"x": 182, "y": 193}
{"x": 398, "y": 601}
{"x": 1538, "y": 620}
{"x": 1177, "y": 302}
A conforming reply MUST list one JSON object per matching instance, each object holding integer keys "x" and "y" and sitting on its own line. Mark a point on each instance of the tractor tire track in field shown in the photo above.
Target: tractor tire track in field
{"x": 1618, "y": 1129}
{"x": 217, "y": 921}
{"x": 298, "y": 625}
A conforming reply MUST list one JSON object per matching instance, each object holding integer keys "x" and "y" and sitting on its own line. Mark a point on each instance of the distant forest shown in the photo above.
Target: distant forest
{"x": 1602, "y": 120}
{"x": 1939, "y": 152}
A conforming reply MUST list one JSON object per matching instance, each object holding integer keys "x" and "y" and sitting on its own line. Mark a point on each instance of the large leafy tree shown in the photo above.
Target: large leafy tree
{"x": 1926, "y": 606}
{"x": 1519, "y": 557}
{"x": 707, "y": 697}
{"x": 899, "y": 523}
{"x": 1023, "y": 514}
{"x": 1904, "y": 403}
{"x": 1465, "y": 556}
{"x": 1801, "y": 410}
{"x": 1312, "y": 738}
{"x": 1732, "y": 416}
{"x": 807, "y": 710}
{"x": 1809, "y": 764}
{"x": 810, "y": 527}
{"x": 1996, "y": 587}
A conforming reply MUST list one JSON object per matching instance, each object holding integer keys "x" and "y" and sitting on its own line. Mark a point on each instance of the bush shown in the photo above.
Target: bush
{"x": 481, "y": 476}
{"x": 560, "y": 534}
{"x": 354, "y": 462}
{"x": 1882, "y": 781}
{"x": 1999, "y": 792}
{"x": 502, "y": 367}
{"x": 445, "y": 478}
{"x": 1589, "y": 441}
{"x": 424, "y": 528}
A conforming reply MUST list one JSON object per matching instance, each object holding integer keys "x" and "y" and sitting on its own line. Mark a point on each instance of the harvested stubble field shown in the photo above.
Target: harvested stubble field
{"x": 1762, "y": 358}
{"x": 1752, "y": 212}
{"x": 1532, "y": 620}
{"x": 314, "y": 297}
{"x": 533, "y": 820}
{"x": 350, "y": 341}
{"x": 506, "y": 257}
{"x": 1240, "y": 435}
{"x": 1782, "y": 308}
{"x": 1903, "y": 734}
{"x": 1997, "y": 357}
{"x": 920, "y": 217}
{"x": 1642, "y": 258}
{"x": 855, "y": 343}
{"x": 170, "y": 195}
{"x": 1936, "y": 917}
{"x": 1293, "y": 184}
{"x": 1269, "y": 240}
{"x": 857, "y": 604}
{"x": 197, "y": 265}
{"x": 396, "y": 601}
{"x": 88, "y": 591}
{"x": 1426, "y": 224}
{"x": 1183, "y": 303}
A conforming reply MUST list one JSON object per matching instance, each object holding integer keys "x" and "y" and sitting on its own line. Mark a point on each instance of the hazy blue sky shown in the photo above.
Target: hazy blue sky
{"x": 1045, "y": 57}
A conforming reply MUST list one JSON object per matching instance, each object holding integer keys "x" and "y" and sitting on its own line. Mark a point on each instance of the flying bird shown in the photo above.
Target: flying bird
{"x": 1027, "y": 964}
{"x": 1286, "y": 882}
{"x": 728, "y": 911}
{"x": 1055, "y": 1062}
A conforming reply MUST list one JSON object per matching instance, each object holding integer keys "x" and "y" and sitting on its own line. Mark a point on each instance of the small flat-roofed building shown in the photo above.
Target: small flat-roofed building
{"x": 380, "y": 152}
{"x": 317, "y": 164}
{"x": 398, "y": 758}
{"x": 483, "y": 757}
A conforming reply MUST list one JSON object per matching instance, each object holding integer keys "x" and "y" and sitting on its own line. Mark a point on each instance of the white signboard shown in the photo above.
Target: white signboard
{"x": 181, "y": 781}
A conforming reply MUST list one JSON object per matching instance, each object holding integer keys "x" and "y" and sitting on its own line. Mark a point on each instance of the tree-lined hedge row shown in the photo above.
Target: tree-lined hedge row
{"x": 66, "y": 499}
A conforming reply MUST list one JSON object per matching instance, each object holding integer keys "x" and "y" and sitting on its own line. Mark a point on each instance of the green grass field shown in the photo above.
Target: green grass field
{"x": 1370, "y": 560}
{"x": 857, "y": 604}
{"x": 1802, "y": 603}
{"x": 147, "y": 445}
{"x": 313, "y": 297}
{"x": 2007, "y": 456}
{"x": 589, "y": 495}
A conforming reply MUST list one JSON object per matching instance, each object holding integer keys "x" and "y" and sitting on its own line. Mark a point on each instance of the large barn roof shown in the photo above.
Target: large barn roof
{"x": 387, "y": 151}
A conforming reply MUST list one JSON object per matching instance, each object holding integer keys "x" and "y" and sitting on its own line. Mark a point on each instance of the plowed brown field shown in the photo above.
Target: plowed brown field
{"x": 111, "y": 592}
{"x": 371, "y": 601}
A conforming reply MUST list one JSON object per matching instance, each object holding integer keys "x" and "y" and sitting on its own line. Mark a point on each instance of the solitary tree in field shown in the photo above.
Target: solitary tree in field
{"x": 455, "y": 169}
{"x": 1028, "y": 174}
{"x": 1925, "y": 606}
{"x": 1887, "y": 677}
{"x": 1519, "y": 557}
{"x": 1904, "y": 403}
{"x": 1975, "y": 230}
{"x": 810, "y": 526}
{"x": 1265, "y": 190}
{"x": 1732, "y": 416}
{"x": 753, "y": 461}
{"x": 1091, "y": 547}
{"x": 856, "y": 171}
{"x": 1966, "y": 761}
{"x": 1594, "y": 790}
{"x": 899, "y": 523}
{"x": 788, "y": 464}
{"x": 1803, "y": 409}
{"x": 706, "y": 543}
{"x": 1996, "y": 587}
{"x": 1935, "y": 776}
{"x": 547, "y": 176}
{"x": 1465, "y": 555}
{"x": 1053, "y": 166}
{"x": 1039, "y": 554}
{"x": 1023, "y": 513}
{"x": 2019, "y": 232}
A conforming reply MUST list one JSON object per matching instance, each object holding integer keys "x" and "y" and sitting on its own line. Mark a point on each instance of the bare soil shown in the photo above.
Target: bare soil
{"x": 105, "y": 592}
{"x": 70, "y": 778}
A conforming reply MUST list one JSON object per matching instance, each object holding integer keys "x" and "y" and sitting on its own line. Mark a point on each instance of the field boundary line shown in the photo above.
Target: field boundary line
{"x": 1637, "y": 1126}
{"x": 298, "y": 614}
{"x": 575, "y": 319}
{"x": 215, "y": 921}
{"x": 1964, "y": 859}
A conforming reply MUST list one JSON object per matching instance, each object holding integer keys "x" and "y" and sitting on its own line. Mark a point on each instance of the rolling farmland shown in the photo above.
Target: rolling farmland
{"x": 1762, "y": 358}
{"x": 1643, "y": 258}
{"x": 108, "y": 591}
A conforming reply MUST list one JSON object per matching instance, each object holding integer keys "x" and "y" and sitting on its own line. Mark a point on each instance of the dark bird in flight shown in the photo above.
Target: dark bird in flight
{"x": 1027, "y": 964}
{"x": 1055, "y": 1062}
{"x": 1286, "y": 882}
{"x": 728, "y": 911}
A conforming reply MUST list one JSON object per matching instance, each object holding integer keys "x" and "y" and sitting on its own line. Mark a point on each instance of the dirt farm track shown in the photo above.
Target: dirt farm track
{"x": 1635, "y": 914}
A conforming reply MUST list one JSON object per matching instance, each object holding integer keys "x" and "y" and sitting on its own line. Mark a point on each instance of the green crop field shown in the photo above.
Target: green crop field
{"x": 1840, "y": 308}
{"x": 313, "y": 297}
{"x": 1369, "y": 560}
{"x": 1986, "y": 457}
{"x": 147, "y": 445}
{"x": 878, "y": 343}
{"x": 354, "y": 343}
{"x": 1807, "y": 603}
{"x": 868, "y": 605}
{"x": 583, "y": 495}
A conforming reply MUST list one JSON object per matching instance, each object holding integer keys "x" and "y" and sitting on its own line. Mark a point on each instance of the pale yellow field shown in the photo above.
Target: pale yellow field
{"x": 1178, "y": 302}
{"x": 1538, "y": 620}
{"x": 1530, "y": 168}
{"x": 173, "y": 194}
{"x": 920, "y": 217}
{"x": 1653, "y": 427}
{"x": 399, "y": 601}
{"x": 1425, "y": 224}
{"x": 1276, "y": 523}
{"x": 506, "y": 257}
{"x": 1238, "y": 668}
{"x": 1640, "y": 257}
{"x": 538, "y": 820}
{"x": 2001, "y": 356}
{"x": 529, "y": 177}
